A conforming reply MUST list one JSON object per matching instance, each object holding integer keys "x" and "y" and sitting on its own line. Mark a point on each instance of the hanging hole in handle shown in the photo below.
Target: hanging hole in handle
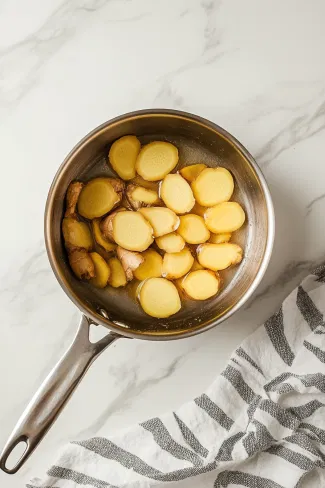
{"x": 14, "y": 455}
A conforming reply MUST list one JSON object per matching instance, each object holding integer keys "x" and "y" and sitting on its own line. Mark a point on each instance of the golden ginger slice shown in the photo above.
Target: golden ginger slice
{"x": 123, "y": 155}
{"x": 102, "y": 271}
{"x": 106, "y": 225}
{"x": 190, "y": 173}
{"x": 224, "y": 217}
{"x": 177, "y": 264}
{"x": 163, "y": 220}
{"x": 177, "y": 194}
{"x": 159, "y": 298}
{"x": 156, "y": 160}
{"x": 196, "y": 265}
{"x": 130, "y": 261}
{"x": 151, "y": 266}
{"x": 72, "y": 196}
{"x": 81, "y": 264}
{"x": 212, "y": 186}
{"x": 117, "y": 277}
{"x": 220, "y": 238}
{"x": 76, "y": 234}
{"x": 193, "y": 229}
{"x": 172, "y": 242}
{"x": 132, "y": 231}
{"x": 139, "y": 196}
{"x": 201, "y": 284}
{"x": 97, "y": 198}
{"x": 100, "y": 239}
{"x": 198, "y": 210}
{"x": 219, "y": 256}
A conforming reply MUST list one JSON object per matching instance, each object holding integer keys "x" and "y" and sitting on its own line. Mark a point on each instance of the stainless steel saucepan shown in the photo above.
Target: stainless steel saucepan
{"x": 198, "y": 140}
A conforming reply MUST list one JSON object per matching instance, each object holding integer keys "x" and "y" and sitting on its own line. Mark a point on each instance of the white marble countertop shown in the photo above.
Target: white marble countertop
{"x": 255, "y": 68}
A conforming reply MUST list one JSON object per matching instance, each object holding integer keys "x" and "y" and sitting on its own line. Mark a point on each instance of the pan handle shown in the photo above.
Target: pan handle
{"x": 54, "y": 393}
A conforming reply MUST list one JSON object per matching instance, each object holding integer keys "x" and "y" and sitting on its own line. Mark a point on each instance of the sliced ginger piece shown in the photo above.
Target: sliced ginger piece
{"x": 102, "y": 271}
{"x": 177, "y": 193}
{"x": 130, "y": 261}
{"x": 117, "y": 277}
{"x": 224, "y": 217}
{"x": 193, "y": 229}
{"x": 97, "y": 198}
{"x": 132, "y": 231}
{"x": 100, "y": 239}
{"x": 177, "y": 264}
{"x": 163, "y": 220}
{"x": 150, "y": 185}
{"x": 156, "y": 160}
{"x": 219, "y": 256}
{"x": 220, "y": 238}
{"x": 72, "y": 196}
{"x": 139, "y": 196}
{"x": 106, "y": 225}
{"x": 212, "y": 186}
{"x": 201, "y": 284}
{"x": 123, "y": 155}
{"x": 172, "y": 242}
{"x": 159, "y": 298}
{"x": 81, "y": 264}
{"x": 151, "y": 266}
{"x": 76, "y": 234}
{"x": 190, "y": 173}
{"x": 196, "y": 265}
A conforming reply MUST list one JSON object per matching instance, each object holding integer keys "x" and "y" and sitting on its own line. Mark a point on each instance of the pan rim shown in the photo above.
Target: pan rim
{"x": 54, "y": 262}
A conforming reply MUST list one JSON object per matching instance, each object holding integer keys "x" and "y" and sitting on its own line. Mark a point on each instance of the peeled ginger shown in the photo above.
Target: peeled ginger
{"x": 159, "y": 297}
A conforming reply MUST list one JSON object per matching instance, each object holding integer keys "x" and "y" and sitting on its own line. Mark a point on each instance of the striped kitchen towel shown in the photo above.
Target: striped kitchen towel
{"x": 260, "y": 425}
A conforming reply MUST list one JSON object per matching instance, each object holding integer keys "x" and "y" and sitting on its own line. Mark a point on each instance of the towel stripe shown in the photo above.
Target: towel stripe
{"x": 308, "y": 309}
{"x": 299, "y": 460}
{"x": 244, "y": 479}
{"x": 164, "y": 440}
{"x": 315, "y": 350}
{"x": 317, "y": 380}
{"x": 235, "y": 378}
{"x": 227, "y": 447}
{"x": 284, "y": 416}
{"x": 320, "y": 433}
{"x": 78, "y": 478}
{"x": 302, "y": 440}
{"x": 243, "y": 354}
{"x": 306, "y": 410}
{"x": 257, "y": 440}
{"x": 190, "y": 438}
{"x": 215, "y": 412}
{"x": 275, "y": 330}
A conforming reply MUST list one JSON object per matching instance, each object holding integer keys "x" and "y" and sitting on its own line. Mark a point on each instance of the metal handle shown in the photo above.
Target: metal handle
{"x": 54, "y": 393}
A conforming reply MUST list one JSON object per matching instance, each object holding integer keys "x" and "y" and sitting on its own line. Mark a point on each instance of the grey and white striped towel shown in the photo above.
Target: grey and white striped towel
{"x": 260, "y": 425}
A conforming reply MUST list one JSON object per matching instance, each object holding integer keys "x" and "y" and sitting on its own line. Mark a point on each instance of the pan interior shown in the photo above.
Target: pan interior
{"x": 198, "y": 142}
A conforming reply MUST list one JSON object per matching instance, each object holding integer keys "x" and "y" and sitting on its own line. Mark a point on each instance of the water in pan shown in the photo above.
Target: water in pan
{"x": 121, "y": 304}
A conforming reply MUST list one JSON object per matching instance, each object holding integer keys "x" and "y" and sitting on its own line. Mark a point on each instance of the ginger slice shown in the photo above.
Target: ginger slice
{"x": 220, "y": 238}
{"x": 172, "y": 242}
{"x": 102, "y": 271}
{"x": 76, "y": 234}
{"x": 156, "y": 160}
{"x": 177, "y": 264}
{"x": 123, "y": 155}
{"x": 177, "y": 194}
{"x": 193, "y": 229}
{"x": 99, "y": 237}
{"x": 163, "y": 220}
{"x": 117, "y": 277}
{"x": 132, "y": 231}
{"x": 159, "y": 298}
{"x": 141, "y": 197}
{"x": 151, "y": 266}
{"x": 201, "y": 284}
{"x": 190, "y": 173}
{"x": 106, "y": 225}
{"x": 224, "y": 217}
{"x": 97, "y": 198}
{"x": 219, "y": 256}
{"x": 81, "y": 264}
{"x": 212, "y": 186}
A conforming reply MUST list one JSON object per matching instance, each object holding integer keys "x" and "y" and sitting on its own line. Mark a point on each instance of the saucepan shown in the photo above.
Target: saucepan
{"x": 198, "y": 140}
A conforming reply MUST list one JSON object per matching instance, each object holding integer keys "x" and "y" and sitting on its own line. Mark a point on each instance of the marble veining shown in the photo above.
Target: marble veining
{"x": 66, "y": 66}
